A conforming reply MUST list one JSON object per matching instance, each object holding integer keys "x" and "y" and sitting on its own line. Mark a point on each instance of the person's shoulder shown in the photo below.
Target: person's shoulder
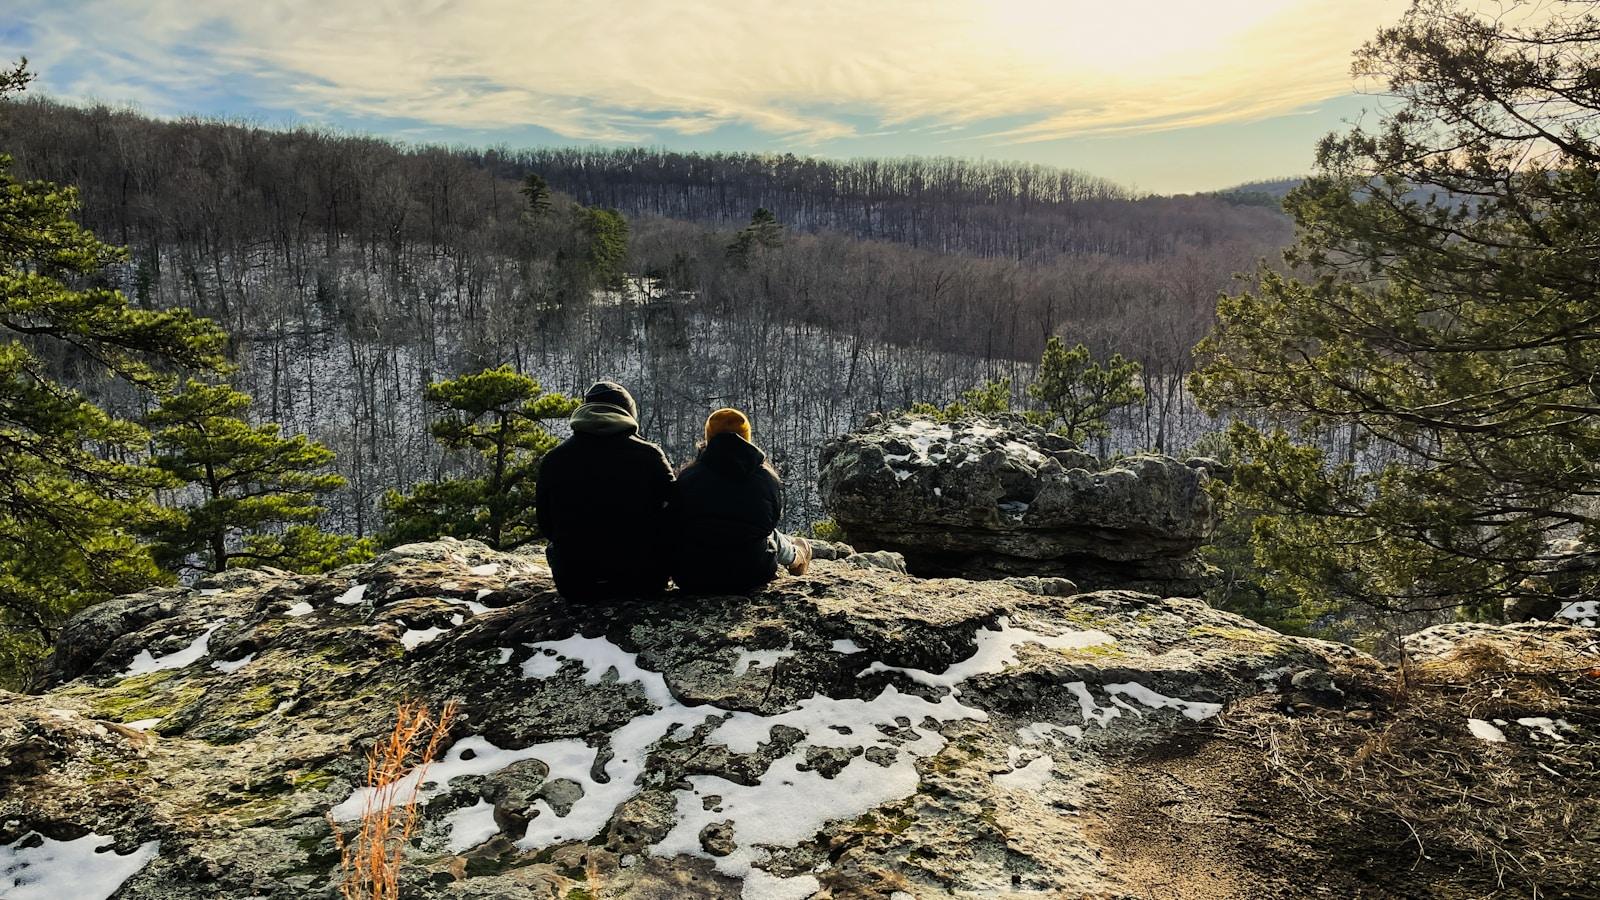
{"x": 560, "y": 450}
{"x": 646, "y": 448}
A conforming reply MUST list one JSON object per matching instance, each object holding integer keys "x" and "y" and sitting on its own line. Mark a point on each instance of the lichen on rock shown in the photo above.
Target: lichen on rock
{"x": 856, "y": 730}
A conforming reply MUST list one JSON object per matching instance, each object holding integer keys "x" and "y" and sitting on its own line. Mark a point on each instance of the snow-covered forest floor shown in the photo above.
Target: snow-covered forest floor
{"x": 801, "y": 385}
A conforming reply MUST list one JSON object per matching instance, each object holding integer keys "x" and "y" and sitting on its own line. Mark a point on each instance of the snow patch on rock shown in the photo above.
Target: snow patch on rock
{"x": 997, "y": 649}
{"x": 231, "y": 666}
{"x": 1025, "y": 776}
{"x": 1582, "y": 612}
{"x": 471, "y": 826}
{"x": 764, "y": 659}
{"x": 791, "y": 801}
{"x": 83, "y": 869}
{"x": 416, "y": 637}
{"x": 145, "y": 662}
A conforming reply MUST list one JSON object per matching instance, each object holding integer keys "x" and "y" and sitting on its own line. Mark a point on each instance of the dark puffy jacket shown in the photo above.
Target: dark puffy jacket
{"x": 602, "y": 503}
{"x": 724, "y": 508}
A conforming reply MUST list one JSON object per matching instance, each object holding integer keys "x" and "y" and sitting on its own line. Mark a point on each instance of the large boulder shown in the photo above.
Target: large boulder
{"x": 995, "y": 497}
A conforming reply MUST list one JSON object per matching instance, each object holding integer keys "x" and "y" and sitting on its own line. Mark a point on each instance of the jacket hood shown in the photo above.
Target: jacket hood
{"x": 731, "y": 453}
{"x": 604, "y": 420}
{"x": 614, "y": 394}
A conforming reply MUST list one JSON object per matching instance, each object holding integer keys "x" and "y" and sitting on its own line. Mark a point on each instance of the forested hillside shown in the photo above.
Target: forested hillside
{"x": 350, "y": 273}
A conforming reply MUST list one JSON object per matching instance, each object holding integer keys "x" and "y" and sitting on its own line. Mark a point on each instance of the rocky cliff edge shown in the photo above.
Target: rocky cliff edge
{"x": 850, "y": 733}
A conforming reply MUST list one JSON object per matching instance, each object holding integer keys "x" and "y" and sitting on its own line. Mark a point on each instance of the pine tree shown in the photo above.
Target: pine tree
{"x": 496, "y": 415}
{"x": 256, "y": 490}
{"x": 988, "y": 399}
{"x": 606, "y": 254}
{"x": 1078, "y": 393}
{"x": 1441, "y": 311}
{"x": 763, "y": 233}
{"x": 72, "y": 494}
{"x": 537, "y": 192}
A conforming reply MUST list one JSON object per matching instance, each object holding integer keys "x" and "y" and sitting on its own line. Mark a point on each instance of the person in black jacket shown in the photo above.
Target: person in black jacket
{"x": 602, "y": 502}
{"x": 725, "y": 512}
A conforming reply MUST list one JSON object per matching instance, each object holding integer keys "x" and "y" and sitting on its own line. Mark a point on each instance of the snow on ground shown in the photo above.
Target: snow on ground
{"x": 1191, "y": 708}
{"x": 485, "y": 569}
{"x": 231, "y": 666}
{"x": 764, "y": 659}
{"x": 785, "y": 808}
{"x": 1543, "y": 726}
{"x": 473, "y": 606}
{"x": 142, "y": 724}
{"x": 1025, "y": 776}
{"x": 351, "y": 597}
{"x": 1046, "y": 732}
{"x": 762, "y": 885}
{"x": 82, "y": 869}
{"x": 789, "y": 804}
{"x": 145, "y": 662}
{"x": 471, "y": 825}
{"x": 849, "y": 722}
{"x": 1485, "y": 731}
{"x": 416, "y": 637}
{"x": 1581, "y": 612}
{"x": 472, "y": 755}
{"x": 300, "y": 609}
{"x": 997, "y": 649}
{"x": 598, "y": 657}
{"x": 846, "y": 646}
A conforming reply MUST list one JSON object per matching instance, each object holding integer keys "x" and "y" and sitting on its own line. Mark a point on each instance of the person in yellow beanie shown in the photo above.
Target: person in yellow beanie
{"x": 725, "y": 511}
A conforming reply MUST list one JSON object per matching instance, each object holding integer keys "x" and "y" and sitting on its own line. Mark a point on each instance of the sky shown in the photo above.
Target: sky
{"x": 1161, "y": 95}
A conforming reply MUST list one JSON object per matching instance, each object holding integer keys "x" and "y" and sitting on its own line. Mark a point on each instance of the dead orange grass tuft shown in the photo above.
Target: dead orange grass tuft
{"x": 371, "y": 860}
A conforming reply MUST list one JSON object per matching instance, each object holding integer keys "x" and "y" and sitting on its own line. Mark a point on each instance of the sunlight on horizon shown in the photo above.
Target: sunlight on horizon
{"x": 828, "y": 77}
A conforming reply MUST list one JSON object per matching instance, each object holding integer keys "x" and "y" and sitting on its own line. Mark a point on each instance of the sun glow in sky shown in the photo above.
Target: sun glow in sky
{"x": 1168, "y": 95}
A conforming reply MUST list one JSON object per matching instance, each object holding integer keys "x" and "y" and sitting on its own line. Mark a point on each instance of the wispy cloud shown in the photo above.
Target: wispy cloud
{"x": 632, "y": 70}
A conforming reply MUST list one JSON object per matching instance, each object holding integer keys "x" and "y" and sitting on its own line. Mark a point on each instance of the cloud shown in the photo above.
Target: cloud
{"x": 808, "y": 72}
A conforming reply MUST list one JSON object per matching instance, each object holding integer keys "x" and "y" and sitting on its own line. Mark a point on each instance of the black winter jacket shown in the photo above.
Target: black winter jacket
{"x": 602, "y": 503}
{"x": 724, "y": 507}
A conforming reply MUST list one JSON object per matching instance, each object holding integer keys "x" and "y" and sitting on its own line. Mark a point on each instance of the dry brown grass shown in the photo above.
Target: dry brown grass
{"x": 371, "y": 860}
{"x": 1522, "y": 809}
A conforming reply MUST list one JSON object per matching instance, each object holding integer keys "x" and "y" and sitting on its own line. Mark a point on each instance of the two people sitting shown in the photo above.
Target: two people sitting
{"x": 620, "y": 525}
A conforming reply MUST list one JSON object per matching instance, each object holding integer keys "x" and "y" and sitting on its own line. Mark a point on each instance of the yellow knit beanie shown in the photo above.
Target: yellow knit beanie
{"x": 724, "y": 420}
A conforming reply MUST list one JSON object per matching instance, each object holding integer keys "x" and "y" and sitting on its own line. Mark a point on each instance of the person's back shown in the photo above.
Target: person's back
{"x": 726, "y": 507}
{"x": 602, "y": 497}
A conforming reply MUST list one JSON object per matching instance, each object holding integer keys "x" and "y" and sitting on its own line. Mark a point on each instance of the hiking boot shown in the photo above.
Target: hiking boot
{"x": 802, "y": 556}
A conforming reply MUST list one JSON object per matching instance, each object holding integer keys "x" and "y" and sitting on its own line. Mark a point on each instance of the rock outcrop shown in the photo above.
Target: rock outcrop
{"x": 995, "y": 497}
{"x": 814, "y": 734}
{"x": 852, "y": 733}
{"x": 1568, "y": 589}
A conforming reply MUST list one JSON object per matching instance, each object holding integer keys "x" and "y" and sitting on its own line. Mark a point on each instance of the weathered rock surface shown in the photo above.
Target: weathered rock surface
{"x": 1567, "y": 590}
{"x": 997, "y": 497}
{"x": 870, "y": 715}
{"x": 852, "y": 733}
